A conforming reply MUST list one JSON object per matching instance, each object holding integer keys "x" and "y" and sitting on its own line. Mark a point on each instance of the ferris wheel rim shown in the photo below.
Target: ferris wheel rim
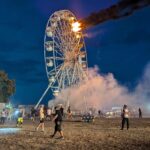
{"x": 53, "y": 51}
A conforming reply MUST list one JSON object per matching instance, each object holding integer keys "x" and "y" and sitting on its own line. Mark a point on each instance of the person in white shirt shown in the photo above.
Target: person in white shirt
{"x": 125, "y": 117}
{"x": 3, "y": 116}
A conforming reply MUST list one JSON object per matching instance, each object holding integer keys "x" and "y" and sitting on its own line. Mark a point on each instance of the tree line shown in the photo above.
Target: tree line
{"x": 7, "y": 87}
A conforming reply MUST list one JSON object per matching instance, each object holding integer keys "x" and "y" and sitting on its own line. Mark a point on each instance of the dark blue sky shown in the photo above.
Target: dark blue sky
{"x": 121, "y": 47}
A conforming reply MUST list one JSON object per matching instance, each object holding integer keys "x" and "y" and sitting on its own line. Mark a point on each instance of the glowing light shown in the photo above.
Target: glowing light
{"x": 56, "y": 93}
{"x": 9, "y": 130}
{"x": 78, "y": 36}
{"x": 16, "y": 112}
{"x": 71, "y": 18}
{"x": 76, "y": 27}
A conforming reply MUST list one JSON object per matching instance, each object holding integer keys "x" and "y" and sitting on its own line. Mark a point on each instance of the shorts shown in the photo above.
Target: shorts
{"x": 42, "y": 120}
{"x": 58, "y": 126}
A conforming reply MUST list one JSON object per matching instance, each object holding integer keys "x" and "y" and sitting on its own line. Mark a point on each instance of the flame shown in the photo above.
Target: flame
{"x": 76, "y": 27}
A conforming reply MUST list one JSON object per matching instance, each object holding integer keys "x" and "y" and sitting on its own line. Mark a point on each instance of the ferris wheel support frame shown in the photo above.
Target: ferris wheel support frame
{"x": 49, "y": 86}
{"x": 42, "y": 96}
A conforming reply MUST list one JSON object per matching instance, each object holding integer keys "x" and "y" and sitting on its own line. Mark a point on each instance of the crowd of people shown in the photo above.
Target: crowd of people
{"x": 57, "y": 116}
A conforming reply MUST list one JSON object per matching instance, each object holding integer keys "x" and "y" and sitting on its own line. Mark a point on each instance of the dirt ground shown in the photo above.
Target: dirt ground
{"x": 102, "y": 134}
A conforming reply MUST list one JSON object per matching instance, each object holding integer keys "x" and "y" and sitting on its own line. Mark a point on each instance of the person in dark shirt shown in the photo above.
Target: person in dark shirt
{"x": 62, "y": 110}
{"x": 140, "y": 113}
{"x": 58, "y": 122}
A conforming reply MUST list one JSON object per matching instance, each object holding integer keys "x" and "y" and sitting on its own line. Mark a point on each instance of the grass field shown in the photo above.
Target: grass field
{"x": 102, "y": 134}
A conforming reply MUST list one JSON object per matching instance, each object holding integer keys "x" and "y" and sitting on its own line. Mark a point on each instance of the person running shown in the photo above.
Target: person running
{"x": 58, "y": 123}
{"x": 140, "y": 113}
{"x": 125, "y": 117}
{"x": 41, "y": 124}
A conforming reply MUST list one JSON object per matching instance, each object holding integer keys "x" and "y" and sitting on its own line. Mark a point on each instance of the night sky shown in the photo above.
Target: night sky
{"x": 121, "y": 47}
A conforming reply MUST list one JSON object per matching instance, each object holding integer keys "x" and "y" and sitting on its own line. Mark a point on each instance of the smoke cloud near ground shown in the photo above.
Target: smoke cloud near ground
{"x": 121, "y": 9}
{"x": 104, "y": 92}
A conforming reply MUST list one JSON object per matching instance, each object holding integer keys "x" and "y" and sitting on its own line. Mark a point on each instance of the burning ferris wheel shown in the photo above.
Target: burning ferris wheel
{"x": 64, "y": 52}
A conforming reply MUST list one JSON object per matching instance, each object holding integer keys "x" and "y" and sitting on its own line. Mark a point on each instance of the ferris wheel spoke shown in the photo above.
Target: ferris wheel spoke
{"x": 74, "y": 72}
{"x": 59, "y": 81}
{"x": 55, "y": 57}
{"x": 59, "y": 52}
{"x": 66, "y": 75}
{"x": 56, "y": 44}
{"x": 57, "y": 68}
{"x": 66, "y": 28}
{"x": 59, "y": 37}
{"x": 58, "y": 40}
{"x": 56, "y": 77}
{"x": 57, "y": 74}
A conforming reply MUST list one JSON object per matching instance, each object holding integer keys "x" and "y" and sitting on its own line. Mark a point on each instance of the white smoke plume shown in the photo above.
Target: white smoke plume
{"x": 104, "y": 92}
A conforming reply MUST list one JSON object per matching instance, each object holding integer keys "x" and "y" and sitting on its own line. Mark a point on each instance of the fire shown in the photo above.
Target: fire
{"x": 76, "y": 27}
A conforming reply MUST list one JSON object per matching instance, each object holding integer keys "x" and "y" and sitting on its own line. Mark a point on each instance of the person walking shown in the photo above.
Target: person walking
{"x": 140, "y": 113}
{"x": 58, "y": 123}
{"x": 125, "y": 117}
{"x": 41, "y": 124}
{"x": 62, "y": 110}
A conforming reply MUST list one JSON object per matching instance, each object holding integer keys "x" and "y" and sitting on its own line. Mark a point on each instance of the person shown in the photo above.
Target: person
{"x": 125, "y": 117}
{"x": 20, "y": 118}
{"x": 140, "y": 113}
{"x": 41, "y": 113}
{"x": 33, "y": 111}
{"x": 62, "y": 110}
{"x": 48, "y": 114}
{"x": 99, "y": 112}
{"x": 58, "y": 122}
{"x": 69, "y": 113}
{"x": 3, "y": 116}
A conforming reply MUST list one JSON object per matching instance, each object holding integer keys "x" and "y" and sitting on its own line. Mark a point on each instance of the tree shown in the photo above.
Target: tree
{"x": 7, "y": 87}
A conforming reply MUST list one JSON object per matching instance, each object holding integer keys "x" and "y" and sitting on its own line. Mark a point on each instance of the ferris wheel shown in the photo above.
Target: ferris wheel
{"x": 64, "y": 52}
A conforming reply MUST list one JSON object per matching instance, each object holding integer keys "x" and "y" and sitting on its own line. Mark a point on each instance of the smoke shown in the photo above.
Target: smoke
{"x": 119, "y": 10}
{"x": 92, "y": 34}
{"x": 104, "y": 92}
